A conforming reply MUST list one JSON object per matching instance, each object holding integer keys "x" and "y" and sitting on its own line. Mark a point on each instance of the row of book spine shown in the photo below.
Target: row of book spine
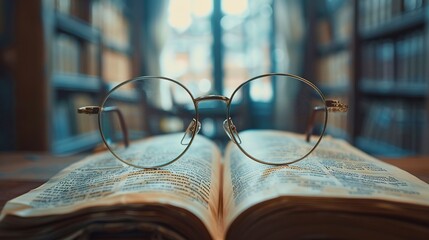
{"x": 337, "y": 26}
{"x": 109, "y": 60}
{"x": 400, "y": 62}
{"x": 375, "y": 13}
{"x": 395, "y": 123}
{"x": 76, "y": 57}
{"x": 67, "y": 122}
{"x": 107, "y": 15}
{"x": 333, "y": 66}
{"x": 334, "y": 70}
{"x": 116, "y": 67}
{"x": 72, "y": 56}
{"x": 110, "y": 18}
{"x": 75, "y": 8}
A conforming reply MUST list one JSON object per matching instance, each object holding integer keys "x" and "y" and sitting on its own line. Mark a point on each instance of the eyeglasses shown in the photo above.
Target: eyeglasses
{"x": 138, "y": 115}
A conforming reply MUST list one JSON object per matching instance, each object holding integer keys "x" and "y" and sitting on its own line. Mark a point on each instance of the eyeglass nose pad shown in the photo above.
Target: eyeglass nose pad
{"x": 194, "y": 126}
{"x": 231, "y": 131}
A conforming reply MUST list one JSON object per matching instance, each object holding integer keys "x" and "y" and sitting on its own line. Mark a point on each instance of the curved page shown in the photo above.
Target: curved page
{"x": 100, "y": 183}
{"x": 335, "y": 170}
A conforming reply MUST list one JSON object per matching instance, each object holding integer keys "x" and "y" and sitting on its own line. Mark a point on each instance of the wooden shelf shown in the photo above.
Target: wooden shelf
{"x": 76, "y": 82}
{"x": 116, "y": 47}
{"x": 396, "y": 26}
{"x": 392, "y": 91}
{"x": 76, "y": 27}
{"x": 332, "y": 48}
{"x": 329, "y": 90}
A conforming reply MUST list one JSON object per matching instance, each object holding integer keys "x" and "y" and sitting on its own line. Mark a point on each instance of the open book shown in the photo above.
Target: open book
{"x": 336, "y": 192}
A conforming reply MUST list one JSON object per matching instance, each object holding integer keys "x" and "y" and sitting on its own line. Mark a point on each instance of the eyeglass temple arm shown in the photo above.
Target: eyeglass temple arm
{"x": 332, "y": 106}
{"x": 96, "y": 110}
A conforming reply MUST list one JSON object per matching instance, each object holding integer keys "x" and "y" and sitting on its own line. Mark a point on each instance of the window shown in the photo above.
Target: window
{"x": 214, "y": 46}
{"x": 186, "y": 54}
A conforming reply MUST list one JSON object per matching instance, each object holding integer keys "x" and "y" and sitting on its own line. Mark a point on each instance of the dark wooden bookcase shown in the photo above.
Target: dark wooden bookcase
{"x": 392, "y": 79}
{"x": 329, "y": 56}
{"x": 387, "y": 78}
{"x": 70, "y": 53}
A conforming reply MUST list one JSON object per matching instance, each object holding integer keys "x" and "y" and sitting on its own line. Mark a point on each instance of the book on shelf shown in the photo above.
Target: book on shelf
{"x": 66, "y": 123}
{"x": 334, "y": 24}
{"x": 374, "y": 14}
{"x": 81, "y": 124}
{"x": 71, "y": 56}
{"x": 333, "y": 72}
{"x": 397, "y": 63}
{"x": 111, "y": 17}
{"x": 70, "y": 7}
{"x": 67, "y": 54}
{"x": 336, "y": 192}
{"x": 117, "y": 67}
{"x": 392, "y": 128}
{"x": 342, "y": 21}
{"x": 90, "y": 59}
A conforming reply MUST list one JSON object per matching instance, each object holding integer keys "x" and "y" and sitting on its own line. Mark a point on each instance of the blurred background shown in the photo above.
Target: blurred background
{"x": 58, "y": 55}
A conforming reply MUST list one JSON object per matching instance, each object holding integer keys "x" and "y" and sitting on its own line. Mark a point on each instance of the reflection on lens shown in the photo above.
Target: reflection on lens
{"x": 148, "y": 107}
{"x": 284, "y": 129}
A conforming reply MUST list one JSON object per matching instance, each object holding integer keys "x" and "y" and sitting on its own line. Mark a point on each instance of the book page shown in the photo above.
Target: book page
{"x": 192, "y": 183}
{"x": 334, "y": 169}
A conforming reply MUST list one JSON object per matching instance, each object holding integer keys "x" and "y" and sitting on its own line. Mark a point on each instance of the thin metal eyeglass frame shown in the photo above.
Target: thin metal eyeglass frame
{"x": 328, "y": 106}
{"x": 142, "y": 78}
{"x": 296, "y": 78}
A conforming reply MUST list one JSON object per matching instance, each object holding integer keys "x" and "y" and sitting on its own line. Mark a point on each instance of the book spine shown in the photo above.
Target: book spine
{"x": 377, "y": 13}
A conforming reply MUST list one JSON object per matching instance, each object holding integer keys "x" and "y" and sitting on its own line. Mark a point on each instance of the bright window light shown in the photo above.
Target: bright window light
{"x": 235, "y": 7}
{"x": 202, "y": 8}
{"x": 179, "y": 16}
{"x": 261, "y": 91}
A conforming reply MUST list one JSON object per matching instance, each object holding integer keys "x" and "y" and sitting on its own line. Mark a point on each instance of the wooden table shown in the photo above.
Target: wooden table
{"x": 418, "y": 166}
{"x": 21, "y": 172}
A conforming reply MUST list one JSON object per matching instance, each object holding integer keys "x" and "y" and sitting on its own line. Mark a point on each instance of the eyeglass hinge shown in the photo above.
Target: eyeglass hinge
{"x": 336, "y": 106}
{"x": 89, "y": 110}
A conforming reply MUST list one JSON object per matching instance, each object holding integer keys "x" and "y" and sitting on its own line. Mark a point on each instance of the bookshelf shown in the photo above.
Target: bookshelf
{"x": 330, "y": 59}
{"x": 393, "y": 84}
{"x": 78, "y": 51}
{"x": 387, "y": 53}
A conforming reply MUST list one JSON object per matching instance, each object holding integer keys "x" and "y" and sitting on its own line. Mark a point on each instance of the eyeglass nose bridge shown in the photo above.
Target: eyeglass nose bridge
{"x": 228, "y": 125}
{"x": 212, "y": 97}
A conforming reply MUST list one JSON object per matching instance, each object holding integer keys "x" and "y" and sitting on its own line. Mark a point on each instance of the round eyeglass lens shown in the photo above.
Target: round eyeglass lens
{"x": 277, "y": 118}
{"x": 150, "y": 107}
